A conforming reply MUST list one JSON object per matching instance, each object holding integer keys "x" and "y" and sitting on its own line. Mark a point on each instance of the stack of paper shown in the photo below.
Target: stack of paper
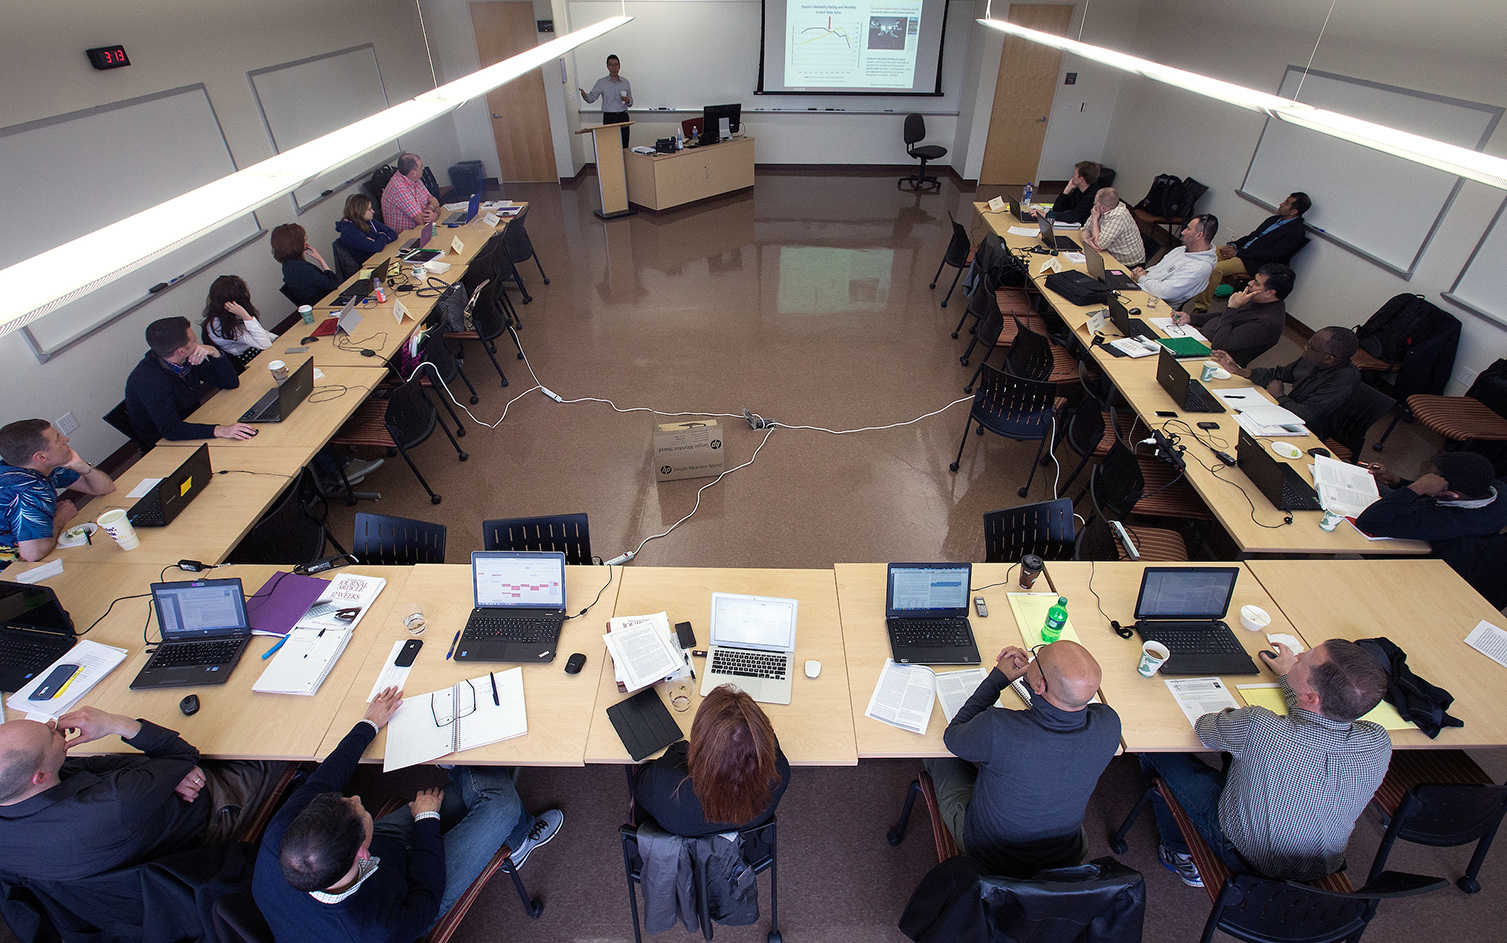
{"x": 1259, "y": 416}
{"x": 1199, "y": 696}
{"x": 303, "y": 661}
{"x": 94, "y": 661}
{"x": 642, "y": 651}
{"x": 1343, "y": 488}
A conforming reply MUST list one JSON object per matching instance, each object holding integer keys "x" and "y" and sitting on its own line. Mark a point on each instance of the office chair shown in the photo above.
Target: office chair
{"x": 292, "y": 532}
{"x": 569, "y": 534}
{"x": 915, "y": 130}
{"x": 120, "y": 419}
{"x": 1364, "y": 408}
{"x": 1098, "y": 541}
{"x": 1033, "y": 356}
{"x": 381, "y": 540}
{"x": 518, "y": 249}
{"x": 1045, "y": 529}
{"x": 1439, "y": 798}
{"x": 761, "y": 854}
{"x": 959, "y": 251}
{"x": 406, "y": 419}
{"x": 1012, "y": 407}
{"x": 346, "y": 262}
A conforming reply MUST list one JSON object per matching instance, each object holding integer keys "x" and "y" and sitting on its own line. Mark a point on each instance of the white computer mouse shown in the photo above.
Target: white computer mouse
{"x": 813, "y": 668}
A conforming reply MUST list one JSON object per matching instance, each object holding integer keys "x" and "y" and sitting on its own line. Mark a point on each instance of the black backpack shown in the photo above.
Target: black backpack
{"x": 1425, "y": 704}
{"x": 1164, "y": 197}
{"x": 1395, "y": 326}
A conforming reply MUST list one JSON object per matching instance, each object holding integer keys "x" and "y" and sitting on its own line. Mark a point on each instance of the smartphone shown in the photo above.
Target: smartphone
{"x": 1167, "y": 413}
{"x": 409, "y": 653}
{"x": 685, "y": 634}
{"x": 54, "y": 683}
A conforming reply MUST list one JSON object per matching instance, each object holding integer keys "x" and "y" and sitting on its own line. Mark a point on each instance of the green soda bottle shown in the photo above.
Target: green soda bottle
{"x": 1056, "y": 619}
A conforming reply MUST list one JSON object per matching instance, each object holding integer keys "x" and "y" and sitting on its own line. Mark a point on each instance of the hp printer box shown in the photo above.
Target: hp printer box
{"x": 687, "y": 450}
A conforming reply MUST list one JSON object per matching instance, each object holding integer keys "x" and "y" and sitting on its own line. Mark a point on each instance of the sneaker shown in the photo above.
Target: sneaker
{"x": 545, "y": 827}
{"x": 1181, "y": 865}
{"x": 356, "y": 469}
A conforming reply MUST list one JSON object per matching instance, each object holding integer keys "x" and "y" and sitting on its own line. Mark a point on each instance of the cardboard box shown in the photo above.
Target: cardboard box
{"x": 687, "y": 450}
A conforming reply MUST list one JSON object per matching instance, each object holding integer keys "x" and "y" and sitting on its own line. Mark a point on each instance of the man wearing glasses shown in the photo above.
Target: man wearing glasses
{"x": 1014, "y": 795}
{"x": 1315, "y": 385}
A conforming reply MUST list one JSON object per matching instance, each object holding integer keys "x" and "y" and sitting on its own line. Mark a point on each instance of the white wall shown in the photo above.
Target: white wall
{"x": 1454, "y": 51}
{"x": 173, "y": 43}
{"x": 1079, "y": 123}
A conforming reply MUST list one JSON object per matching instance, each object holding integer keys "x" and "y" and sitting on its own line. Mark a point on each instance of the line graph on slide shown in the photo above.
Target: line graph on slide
{"x": 823, "y": 48}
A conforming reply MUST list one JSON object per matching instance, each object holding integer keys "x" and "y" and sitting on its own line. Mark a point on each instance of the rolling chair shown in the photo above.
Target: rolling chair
{"x": 760, "y": 839}
{"x": 381, "y": 540}
{"x": 915, "y": 130}
{"x": 1045, "y": 529}
{"x": 1014, "y": 408}
{"x": 562, "y": 533}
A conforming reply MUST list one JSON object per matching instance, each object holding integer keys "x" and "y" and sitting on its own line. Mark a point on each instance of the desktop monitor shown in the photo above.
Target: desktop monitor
{"x": 714, "y": 115}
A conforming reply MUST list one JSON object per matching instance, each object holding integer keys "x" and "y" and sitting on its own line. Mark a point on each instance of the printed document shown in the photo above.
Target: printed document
{"x": 1343, "y": 488}
{"x": 642, "y": 653}
{"x": 1200, "y": 696}
{"x": 1485, "y": 638}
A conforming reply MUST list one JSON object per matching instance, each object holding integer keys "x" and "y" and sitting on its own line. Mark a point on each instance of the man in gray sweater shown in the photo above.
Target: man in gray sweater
{"x": 1014, "y": 797}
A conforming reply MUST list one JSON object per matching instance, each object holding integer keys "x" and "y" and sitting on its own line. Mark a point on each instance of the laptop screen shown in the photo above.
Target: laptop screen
{"x": 1185, "y": 592}
{"x": 196, "y": 609}
{"x": 1172, "y": 376}
{"x": 184, "y": 484}
{"x": 32, "y": 607}
{"x": 762, "y": 622}
{"x": 921, "y": 589}
{"x": 518, "y": 580}
{"x": 1264, "y": 471}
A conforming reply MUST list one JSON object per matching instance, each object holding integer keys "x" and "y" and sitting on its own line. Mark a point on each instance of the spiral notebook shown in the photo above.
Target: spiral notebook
{"x": 303, "y": 662}
{"x": 468, "y": 714}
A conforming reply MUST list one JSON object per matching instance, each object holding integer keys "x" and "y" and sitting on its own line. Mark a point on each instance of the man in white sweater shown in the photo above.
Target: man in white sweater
{"x": 1176, "y": 278}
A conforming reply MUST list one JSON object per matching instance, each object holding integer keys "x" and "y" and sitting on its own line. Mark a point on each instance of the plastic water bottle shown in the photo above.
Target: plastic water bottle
{"x": 1056, "y": 619}
{"x": 1025, "y": 195}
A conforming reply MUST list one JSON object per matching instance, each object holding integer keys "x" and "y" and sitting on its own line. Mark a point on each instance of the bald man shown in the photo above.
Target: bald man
{"x": 63, "y": 819}
{"x": 1014, "y": 797}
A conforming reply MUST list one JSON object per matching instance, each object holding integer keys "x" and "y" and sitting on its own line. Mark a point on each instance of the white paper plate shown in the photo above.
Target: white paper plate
{"x": 1286, "y": 449}
{"x": 74, "y": 536}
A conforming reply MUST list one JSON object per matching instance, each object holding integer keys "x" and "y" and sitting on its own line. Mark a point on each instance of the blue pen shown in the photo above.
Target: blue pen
{"x": 453, "y": 642}
{"x": 269, "y": 653}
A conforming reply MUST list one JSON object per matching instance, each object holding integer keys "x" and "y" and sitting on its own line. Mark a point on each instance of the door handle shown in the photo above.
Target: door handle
{"x": 499, "y": 117}
{"x": 1038, "y": 120}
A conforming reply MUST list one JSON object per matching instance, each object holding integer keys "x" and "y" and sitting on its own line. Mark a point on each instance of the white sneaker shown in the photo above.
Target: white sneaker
{"x": 1181, "y": 865}
{"x": 545, "y": 828}
{"x": 356, "y": 469}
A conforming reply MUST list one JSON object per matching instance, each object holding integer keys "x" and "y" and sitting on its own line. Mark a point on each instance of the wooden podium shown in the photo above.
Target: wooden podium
{"x": 612, "y": 178}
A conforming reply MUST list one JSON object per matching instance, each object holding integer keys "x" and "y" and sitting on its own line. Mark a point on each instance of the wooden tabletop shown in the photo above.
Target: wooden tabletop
{"x": 214, "y": 521}
{"x": 378, "y": 331}
{"x": 1421, "y": 605}
{"x": 861, "y": 594}
{"x": 559, "y": 705}
{"x": 1150, "y": 719}
{"x": 234, "y": 722}
{"x": 814, "y": 729}
{"x": 86, "y": 590}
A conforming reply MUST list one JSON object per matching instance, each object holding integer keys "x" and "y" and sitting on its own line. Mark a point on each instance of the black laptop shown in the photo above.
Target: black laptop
{"x": 1183, "y": 607}
{"x": 1115, "y": 278}
{"x": 519, "y": 607}
{"x": 1052, "y": 240}
{"x": 279, "y": 402}
{"x": 1124, "y": 323}
{"x": 171, "y": 495}
{"x": 1279, "y": 481}
{"x": 35, "y": 631}
{"x": 1189, "y": 394}
{"x": 926, "y": 614}
{"x": 204, "y": 632}
{"x": 1025, "y": 216}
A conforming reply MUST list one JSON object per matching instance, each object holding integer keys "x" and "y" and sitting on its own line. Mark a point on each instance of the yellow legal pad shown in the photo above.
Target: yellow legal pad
{"x": 1269, "y": 696}
{"x": 1030, "y": 611}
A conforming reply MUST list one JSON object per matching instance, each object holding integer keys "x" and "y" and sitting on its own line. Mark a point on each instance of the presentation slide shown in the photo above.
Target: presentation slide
{"x": 889, "y": 47}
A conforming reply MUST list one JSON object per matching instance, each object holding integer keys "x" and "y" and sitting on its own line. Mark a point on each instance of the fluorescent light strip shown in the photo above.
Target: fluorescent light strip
{"x": 1450, "y": 158}
{"x": 58, "y": 276}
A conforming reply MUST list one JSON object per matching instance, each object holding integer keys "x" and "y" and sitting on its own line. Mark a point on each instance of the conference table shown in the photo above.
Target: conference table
{"x": 1253, "y": 523}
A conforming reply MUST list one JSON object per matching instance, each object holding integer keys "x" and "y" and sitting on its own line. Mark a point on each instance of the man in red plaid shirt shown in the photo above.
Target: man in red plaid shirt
{"x": 406, "y": 202}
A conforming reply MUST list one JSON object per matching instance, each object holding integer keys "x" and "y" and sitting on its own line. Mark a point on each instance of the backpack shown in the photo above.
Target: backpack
{"x": 1417, "y": 700}
{"x": 1165, "y": 195}
{"x": 1078, "y": 288}
{"x": 1490, "y": 387}
{"x": 1394, "y": 327}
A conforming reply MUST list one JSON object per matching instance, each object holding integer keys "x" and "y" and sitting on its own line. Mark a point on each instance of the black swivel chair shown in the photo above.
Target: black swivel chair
{"x": 956, "y": 256}
{"x": 915, "y": 130}
{"x": 519, "y": 249}
{"x": 120, "y": 419}
{"x": 405, "y": 420}
{"x": 293, "y": 532}
{"x": 569, "y": 534}
{"x": 381, "y": 540}
{"x": 760, "y": 847}
{"x": 1014, "y": 408}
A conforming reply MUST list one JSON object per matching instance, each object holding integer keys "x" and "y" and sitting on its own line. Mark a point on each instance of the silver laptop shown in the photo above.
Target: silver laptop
{"x": 752, "y": 646}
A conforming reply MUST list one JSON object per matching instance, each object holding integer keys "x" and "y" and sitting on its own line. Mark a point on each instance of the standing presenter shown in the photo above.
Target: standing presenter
{"x": 616, "y": 95}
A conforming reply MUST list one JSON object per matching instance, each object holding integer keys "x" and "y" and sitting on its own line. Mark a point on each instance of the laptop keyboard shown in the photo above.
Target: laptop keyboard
{"x": 930, "y": 633}
{"x": 1297, "y": 496}
{"x": 508, "y": 629}
{"x": 747, "y": 664}
{"x": 23, "y": 651}
{"x": 190, "y": 654}
{"x": 147, "y": 517}
{"x": 1192, "y": 638}
{"x": 1195, "y": 400}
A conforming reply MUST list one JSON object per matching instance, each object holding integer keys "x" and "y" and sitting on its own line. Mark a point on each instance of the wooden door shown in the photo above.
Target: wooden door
{"x": 1023, "y": 96}
{"x": 520, "y": 118}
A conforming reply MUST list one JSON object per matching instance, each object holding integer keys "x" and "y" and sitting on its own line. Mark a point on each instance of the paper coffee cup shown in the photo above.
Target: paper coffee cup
{"x": 1330, "y": 521}
{"x": 1153, "y": 656}
{"x": 307, "y": 313}
{"x": 279, "y": 370}
{"x": 116, "y": 525}
{"x": 1209, "y": 371}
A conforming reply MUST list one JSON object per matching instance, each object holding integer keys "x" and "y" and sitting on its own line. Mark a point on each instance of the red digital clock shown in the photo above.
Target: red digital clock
{"x": 108, "y": 57}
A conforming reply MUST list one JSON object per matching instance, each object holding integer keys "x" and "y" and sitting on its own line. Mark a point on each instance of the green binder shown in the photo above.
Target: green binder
{"x": 1185, "y": 347}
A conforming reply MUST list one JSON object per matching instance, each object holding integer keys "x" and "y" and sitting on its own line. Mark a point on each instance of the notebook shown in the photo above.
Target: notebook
{"x": 461, "y": 717}
{"x": 926, "y": 614}
{"x": 305, "y": 659}
{"x": 1182, "y": 607}
{"x": 644, "y": 724}
{"x": 752, "y": 646}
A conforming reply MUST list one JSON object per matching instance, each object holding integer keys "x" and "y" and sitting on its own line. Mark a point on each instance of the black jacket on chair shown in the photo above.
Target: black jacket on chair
{"x": 959, "y": 902}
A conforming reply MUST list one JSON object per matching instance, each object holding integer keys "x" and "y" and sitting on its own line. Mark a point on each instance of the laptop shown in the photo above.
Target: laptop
{"x": 347, "y": 320}
{"x": 171, "y": 495}
{"x": 1025, "y": 216}
{"x": 356, "y": 292}
{"x": 204, "y": 633}
{"x": 1064, "y": 243}
{"x": 926, "y": 614}
{"x": 1189, "y": 394}
{"x": 519, "y": 599}
{"x": 1279, "y": 481}
{"x": 279, "y": 402}
{"x": 35, "y": 631}
{"x": 413, "y": 249}
{"x": 1124, "y": 323}
{"x": 1115, "y": 278}
{"x": 752, "y": 646}
{"x": 461, "y": 217}
{"x": 1182, "y": 607}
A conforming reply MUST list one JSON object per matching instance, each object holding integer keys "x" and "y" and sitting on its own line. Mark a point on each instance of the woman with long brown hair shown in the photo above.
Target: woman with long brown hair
{"x": 360, "y": 231}
{"x": 231, "y": 320}
{"x": 731, "y": 775}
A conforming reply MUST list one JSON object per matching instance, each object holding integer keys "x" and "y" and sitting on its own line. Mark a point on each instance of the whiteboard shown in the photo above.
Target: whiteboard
{"x": 683, "y": 54}
{"x": 1479, "y": 286}
{"x": 303, "y": 100}
{"x": 88, "y": 169}
{"x": 1381, "y": 207}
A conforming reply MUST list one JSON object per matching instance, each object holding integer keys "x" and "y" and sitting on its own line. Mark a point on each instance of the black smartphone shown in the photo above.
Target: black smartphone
{"x": 53, "y": 683}
{"x": 409, "y": 653}
{"x": 1208, "y": 425}
{"x": 1167, "y": 413}
{"x": 685, "y": 634}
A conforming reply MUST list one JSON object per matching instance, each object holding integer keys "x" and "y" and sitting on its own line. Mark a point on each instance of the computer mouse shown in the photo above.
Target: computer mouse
{"x": 1318, "y": 451}
{"x": 189, "y": 705}
{"x": 813, "y": 668}
{"x": 573, "y": 663}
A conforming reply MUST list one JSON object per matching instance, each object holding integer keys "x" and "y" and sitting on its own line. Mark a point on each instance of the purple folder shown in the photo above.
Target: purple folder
{"x": 281, "y": 602}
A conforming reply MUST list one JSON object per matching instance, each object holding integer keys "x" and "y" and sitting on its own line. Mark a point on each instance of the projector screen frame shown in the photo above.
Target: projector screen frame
{"x": 844, "y": 93}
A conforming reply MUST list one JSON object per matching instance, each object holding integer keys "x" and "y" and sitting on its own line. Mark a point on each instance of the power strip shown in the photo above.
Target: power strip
{"x": 1125, "y": 541}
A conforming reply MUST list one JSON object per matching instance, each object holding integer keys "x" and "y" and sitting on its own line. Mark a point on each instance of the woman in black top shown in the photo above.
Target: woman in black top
{"x": 307, "y": 278}
{"x": 730, "y": 776}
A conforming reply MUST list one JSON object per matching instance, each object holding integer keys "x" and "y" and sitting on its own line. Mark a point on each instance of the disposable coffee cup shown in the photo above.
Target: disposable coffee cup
{"x": 307, "y": 313}
{"x": 279, "y": 370}
{"x": 116, "y": 525}
{"x": 1209, "y": 370}
{"x": 1153, "y": 656}
{"x": 1329, "y": 521}
{"x": 1030, "y": 568}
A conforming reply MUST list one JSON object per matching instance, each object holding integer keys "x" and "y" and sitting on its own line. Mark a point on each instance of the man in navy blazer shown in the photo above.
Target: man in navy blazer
{"x": 1275, "y": 240}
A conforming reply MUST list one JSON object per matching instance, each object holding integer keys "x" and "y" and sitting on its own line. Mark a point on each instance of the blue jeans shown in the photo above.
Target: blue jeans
{"x": 480, "y": 813}
{"x": 1197, "y": 788}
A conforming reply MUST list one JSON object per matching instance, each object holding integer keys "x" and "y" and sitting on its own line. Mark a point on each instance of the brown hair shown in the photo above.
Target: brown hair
{"x": 356, "y": 206}
{"x": 22, "y": 439}
{"x": 225, "y": 289}
{"x": 1349, "y": 681}
{"x": 1088, "y": 170}
{"x": 288, "y": 242}
{"x": 732, "y": 754}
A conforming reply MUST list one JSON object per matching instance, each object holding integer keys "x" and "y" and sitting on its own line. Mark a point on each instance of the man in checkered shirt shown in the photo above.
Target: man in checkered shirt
{"x": 1111, "y": 228}
{"x": 1296, "y": 784}
{"x": 406, "y": 202}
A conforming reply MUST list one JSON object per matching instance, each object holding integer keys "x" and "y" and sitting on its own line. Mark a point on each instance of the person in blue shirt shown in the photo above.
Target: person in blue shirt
{"x": 360, "y": 232}
{"x": 35, "y": 461}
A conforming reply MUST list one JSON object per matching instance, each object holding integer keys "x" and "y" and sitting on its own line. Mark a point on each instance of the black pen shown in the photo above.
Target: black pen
{"x": 495, "y": 699}
{"x": 453, "y": 642}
